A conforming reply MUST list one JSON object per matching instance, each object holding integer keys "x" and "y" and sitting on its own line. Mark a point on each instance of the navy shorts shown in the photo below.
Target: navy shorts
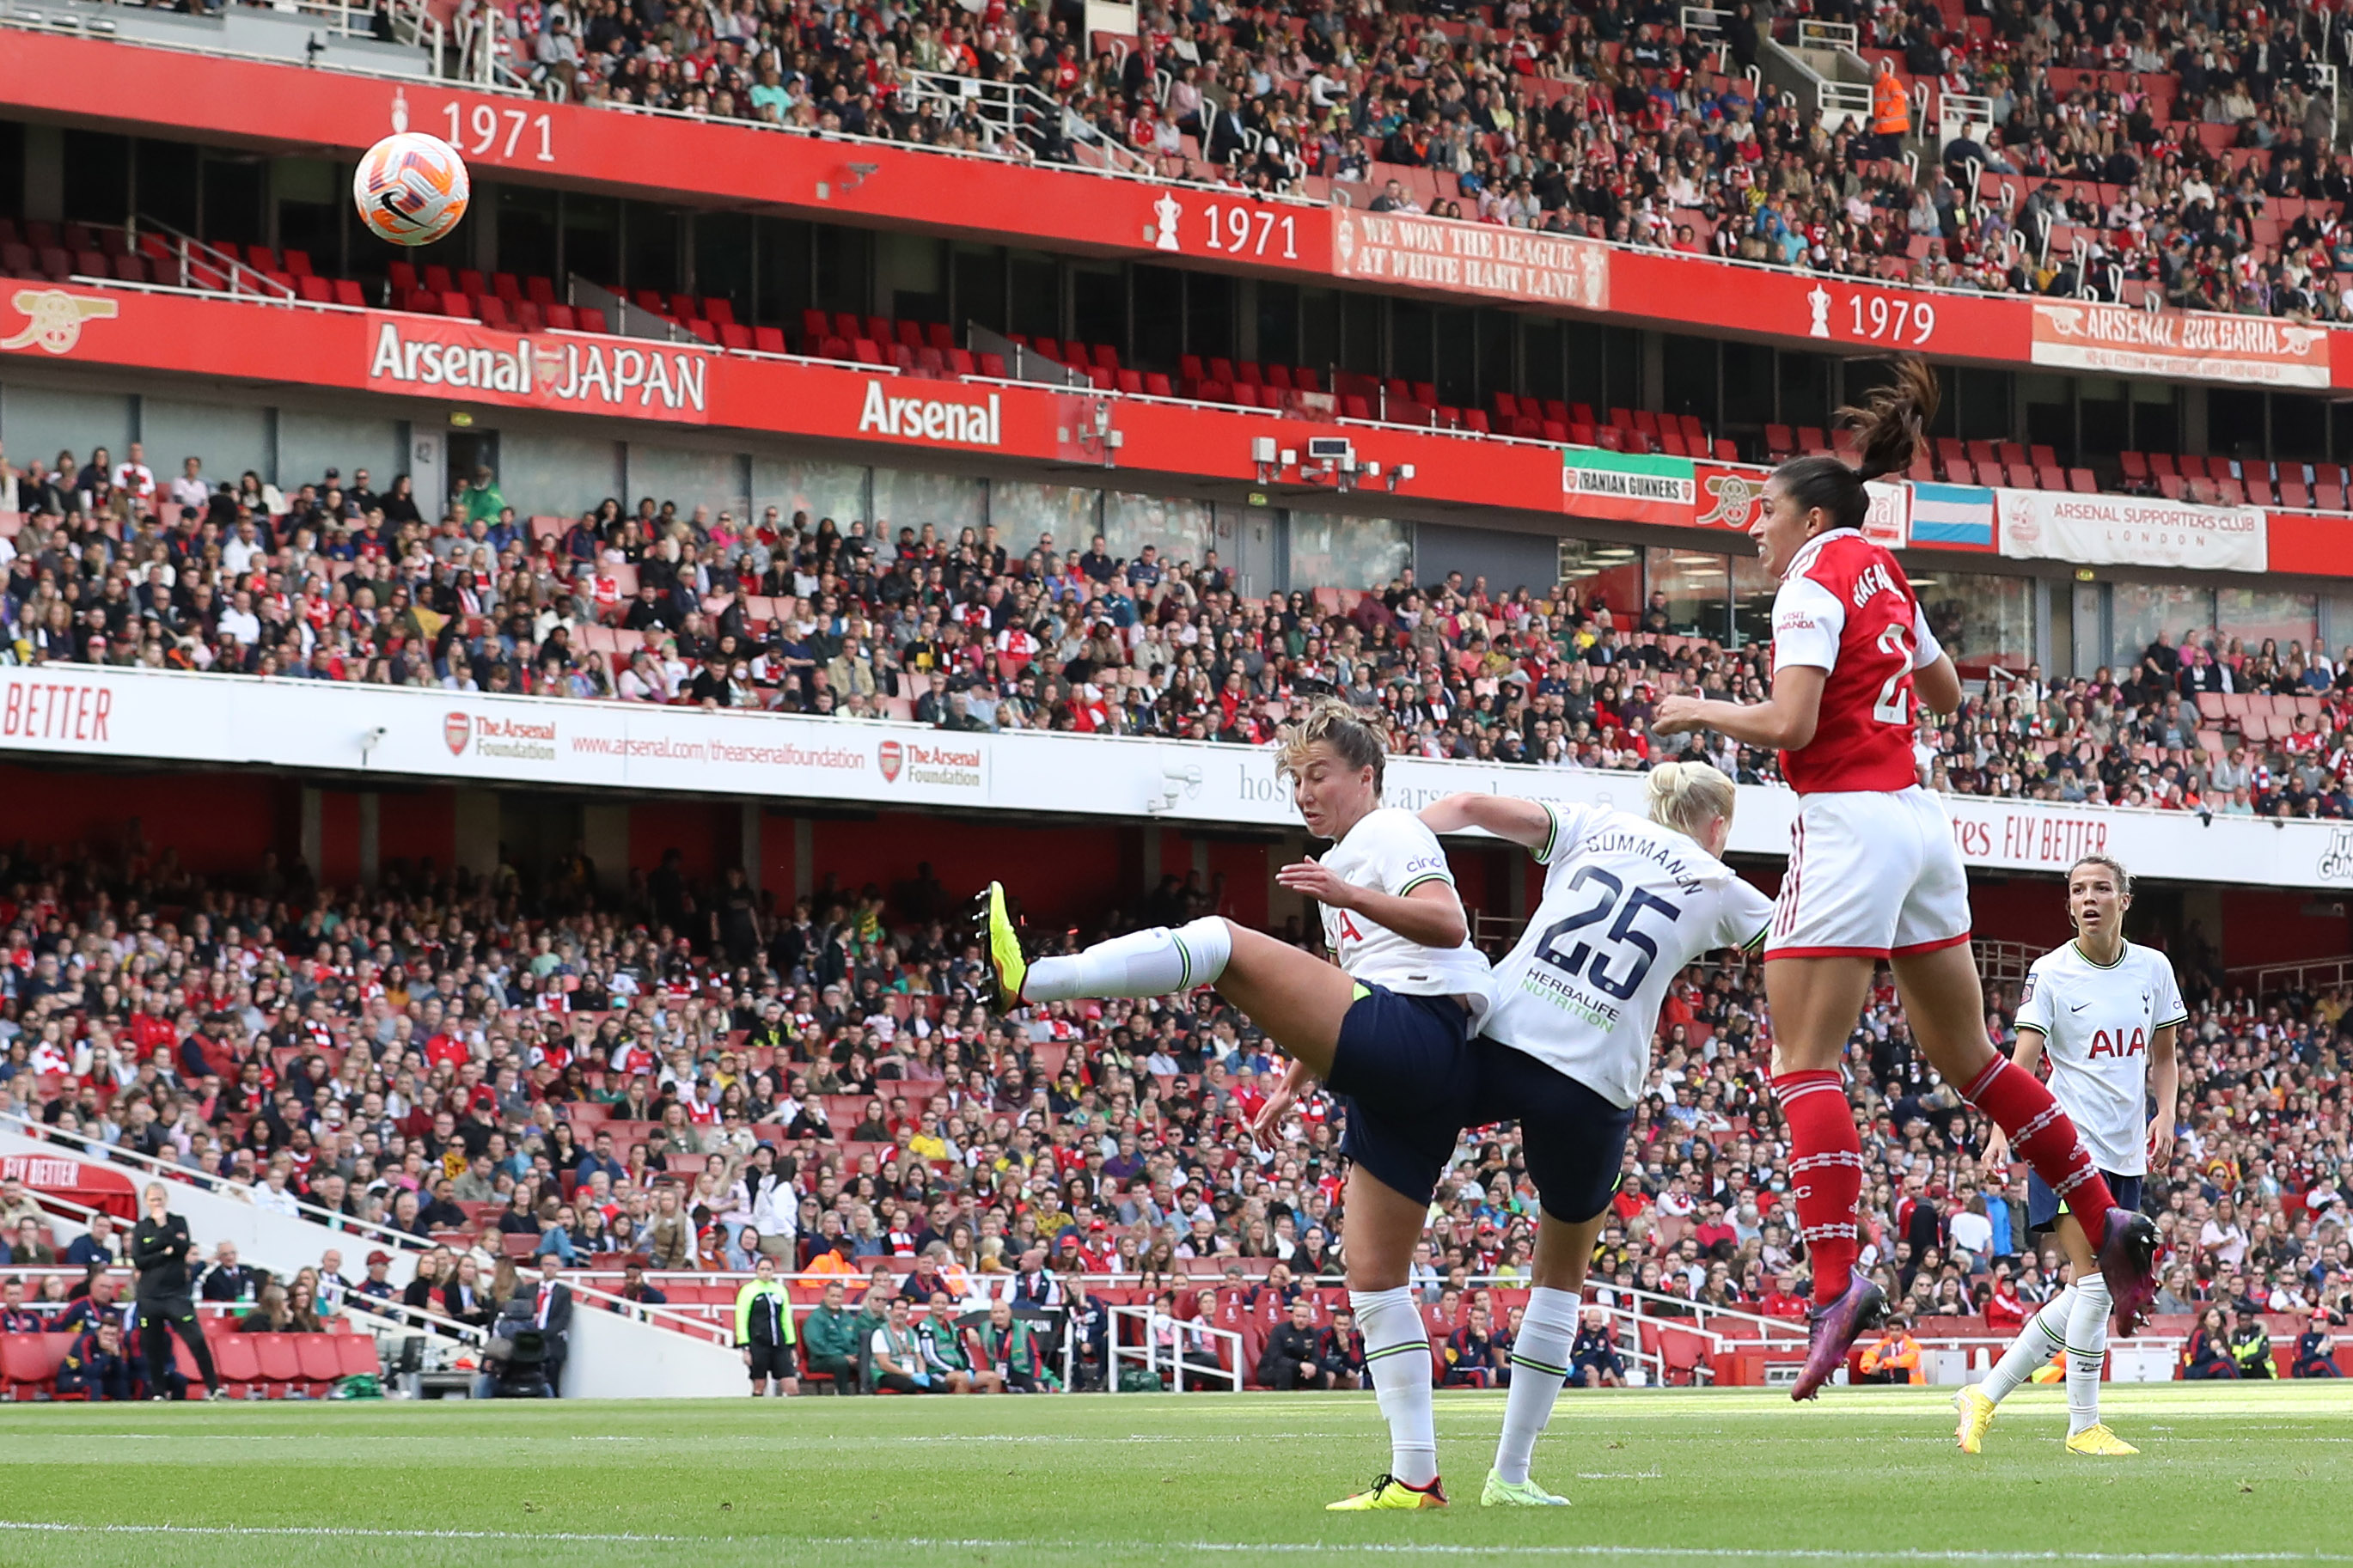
{"x": 1404, "y": 1075}
{"x": 1574, "y": 1140}
{"x": 2043, "y": 1206}
{"x": 1410, "y": 1080}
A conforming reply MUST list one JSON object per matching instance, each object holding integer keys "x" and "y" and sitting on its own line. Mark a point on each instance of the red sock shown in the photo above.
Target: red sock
{"x": 1825, "y": 1174}
{"x": 2045, "y": 1138}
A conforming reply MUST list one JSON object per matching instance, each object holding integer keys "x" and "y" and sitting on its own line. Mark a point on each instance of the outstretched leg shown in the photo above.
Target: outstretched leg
{"x": 1297, "y": 998}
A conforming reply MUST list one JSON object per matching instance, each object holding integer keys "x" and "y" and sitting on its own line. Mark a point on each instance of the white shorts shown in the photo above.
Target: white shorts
{"x": 1871, "y": 874}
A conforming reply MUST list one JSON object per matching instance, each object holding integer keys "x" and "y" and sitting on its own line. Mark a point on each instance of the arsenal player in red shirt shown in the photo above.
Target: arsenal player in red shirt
{"x": 1875, "y": 873}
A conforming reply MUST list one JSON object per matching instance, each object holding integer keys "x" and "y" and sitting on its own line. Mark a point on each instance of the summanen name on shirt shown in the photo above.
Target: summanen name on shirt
{"x": 1663, "y": 855}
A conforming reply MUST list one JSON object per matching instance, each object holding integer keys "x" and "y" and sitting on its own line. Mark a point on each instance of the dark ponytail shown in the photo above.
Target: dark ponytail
{"x": 1889, "y": 430}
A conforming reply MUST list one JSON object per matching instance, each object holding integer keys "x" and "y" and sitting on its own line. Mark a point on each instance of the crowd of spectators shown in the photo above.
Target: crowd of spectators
{"x": 418, "y": 1054}
{"x": 1606, "y": 119}
{"x": 982, "y": 633}
{"x": 336, "y": 581}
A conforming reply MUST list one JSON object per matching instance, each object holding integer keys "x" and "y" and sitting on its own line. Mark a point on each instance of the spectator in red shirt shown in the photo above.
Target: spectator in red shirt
{"x": 1784, "y": 1299}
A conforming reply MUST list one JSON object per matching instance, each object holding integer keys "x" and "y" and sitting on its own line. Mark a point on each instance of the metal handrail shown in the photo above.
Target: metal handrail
{"x": 99, "y": 1150}
{"x": 2301, "y": 974}
{"x": 1147, "y": 1355}
{"x": 1013, "y": 109}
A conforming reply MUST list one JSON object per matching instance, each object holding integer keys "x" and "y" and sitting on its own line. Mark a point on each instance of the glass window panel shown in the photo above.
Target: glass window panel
{"x": 2299, "y": 428}
{"x": 822, "y": 489}
{"x": 2252, "y": 615}
{"x": 2234, "y": 421}
{"x": 37, "y": 423}
{"x": 1022, "y": 511}
{"x": 1698, "y": 590}
{"x": 1981, "y": 619}
{"x": 1329, "y": 551}
{"x": 547, "y": 475}
{"x": 1753, "y": 589}
{"x": 690, "y": 478}
{"x": 2138, "y": 611}
{"x": 310, "y": 444}
{"x": 1182, "y": 528}
{"x": 949, "y": 503}
{"x": 228, "y": 437}
{"x": 1602, "y": 577}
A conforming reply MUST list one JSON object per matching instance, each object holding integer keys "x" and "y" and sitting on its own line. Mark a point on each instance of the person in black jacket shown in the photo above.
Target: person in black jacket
{"x": 1289, "y": 1359}
{"x": 1340, "y": 1351}
{"x": 550, "y": 1313}
{"x": 159, "y": 1251}
{"x": 96, "y": 1368}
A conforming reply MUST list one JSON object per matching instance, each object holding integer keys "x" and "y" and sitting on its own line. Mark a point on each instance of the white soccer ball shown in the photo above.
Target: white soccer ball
{"x": 411, "y": 188}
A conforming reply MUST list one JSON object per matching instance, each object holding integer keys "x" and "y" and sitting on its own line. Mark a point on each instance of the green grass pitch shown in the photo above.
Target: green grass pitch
{"x": 1868, "y": 1476}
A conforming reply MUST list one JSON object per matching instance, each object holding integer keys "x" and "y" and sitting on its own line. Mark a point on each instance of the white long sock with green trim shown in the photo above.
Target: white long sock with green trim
{"x": 2044, "y": 1336}
{"x": 1153, "y": 963}
{"x": 1397, "y": 1359}
{"x": 2088, "y": 1351}
{"x": 1540, "y": 1366}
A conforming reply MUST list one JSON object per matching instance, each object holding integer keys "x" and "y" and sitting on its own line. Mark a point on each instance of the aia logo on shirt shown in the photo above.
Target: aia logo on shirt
{"x": 2116, "y": 1043}
{"x": 1348, "y": 932}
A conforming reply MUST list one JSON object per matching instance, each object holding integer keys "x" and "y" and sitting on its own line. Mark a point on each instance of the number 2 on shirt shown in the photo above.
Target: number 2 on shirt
{"x": 1895, "y": 704}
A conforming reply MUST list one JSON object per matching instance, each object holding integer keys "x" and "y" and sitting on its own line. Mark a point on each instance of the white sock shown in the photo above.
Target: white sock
{"x": 1540, "y": 1366}
{"x": 2044, "y": 1336}
{"x": 1153, "y": 963}
{"x": 2088, "y": 1351}
{"x": 1396, "y": 1358}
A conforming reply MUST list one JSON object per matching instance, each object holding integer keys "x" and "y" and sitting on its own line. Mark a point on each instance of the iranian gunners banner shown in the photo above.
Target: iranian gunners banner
{"x": 1458, "y": 258}
{"x": 1627, "y": 487}
{"x": 2130, "y": 531}
{"x": 2179, "y": 344}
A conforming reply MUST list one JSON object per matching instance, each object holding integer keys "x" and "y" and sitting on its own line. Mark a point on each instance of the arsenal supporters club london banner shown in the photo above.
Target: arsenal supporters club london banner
{"x": 2131, "y": 530}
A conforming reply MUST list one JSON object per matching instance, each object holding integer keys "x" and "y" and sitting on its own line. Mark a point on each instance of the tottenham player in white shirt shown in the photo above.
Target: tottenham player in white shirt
{"x": 1387, "y": 1030}
{"x": 2106, "y": 1011}
{"x": 1628, "y": 902}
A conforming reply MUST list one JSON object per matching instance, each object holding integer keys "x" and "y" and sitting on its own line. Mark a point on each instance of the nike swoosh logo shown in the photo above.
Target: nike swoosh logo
{"x": 2079, "y": 1006}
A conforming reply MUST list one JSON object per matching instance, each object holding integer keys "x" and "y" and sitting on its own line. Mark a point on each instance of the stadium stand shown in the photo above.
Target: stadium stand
{"x": 2135, "y": 156}
{"x": 673, "y": 603}
{"x": 505, "y": 1075}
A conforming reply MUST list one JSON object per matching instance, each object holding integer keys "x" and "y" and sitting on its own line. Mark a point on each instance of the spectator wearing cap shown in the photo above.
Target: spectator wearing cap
{"x": 636, "y": 1287}
{"x": 378, "y": 1285}
{"x": 2316, "y": 1351}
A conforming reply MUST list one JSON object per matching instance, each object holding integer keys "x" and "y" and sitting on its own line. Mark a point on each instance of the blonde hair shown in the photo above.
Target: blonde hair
{"x": 1339, "y": 726}
{"x": 1687, "y": 796}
